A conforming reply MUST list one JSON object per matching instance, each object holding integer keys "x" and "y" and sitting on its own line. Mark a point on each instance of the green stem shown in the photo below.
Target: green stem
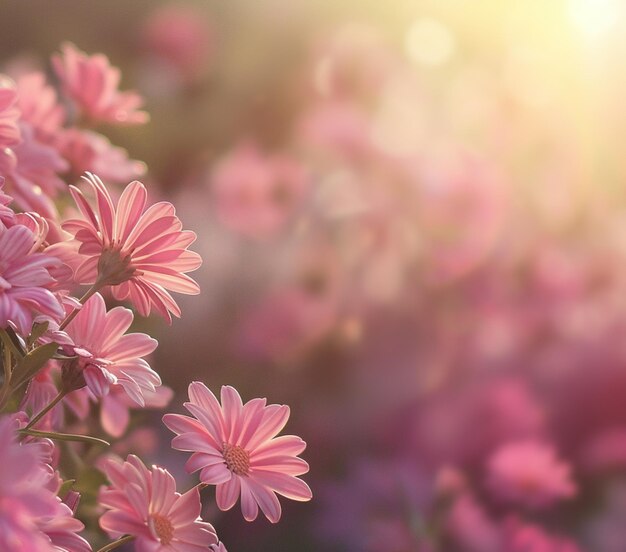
{"x": 93, "y": 289}
{"x": 47, "y": 409}
{"x": 64, "y": 436}
{"x": 115, "y": 544}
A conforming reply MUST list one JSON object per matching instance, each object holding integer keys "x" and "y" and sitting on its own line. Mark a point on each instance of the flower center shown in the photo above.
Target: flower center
{"x": 162, "y": 527}
{"x": 114, "y": 267}
{"x": 237, "y": 459}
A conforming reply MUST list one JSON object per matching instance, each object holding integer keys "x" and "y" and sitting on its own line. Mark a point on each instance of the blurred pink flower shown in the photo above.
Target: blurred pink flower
{"x": 529, "y": 473}
{"x": 235, "y": 447}
{"x": 256, "y": 194}
{"x": 181, "y": 37}
{"x": 9, "y": 113}
{"x": 470, "y": 526}
{"x": 93, "y": 83}
{"x": 106, "y": 355}
{"x": 527, "y": 537}
{"x": 32, "y": 517}
{"x": 144, "y": 503}
{"x": 141, "y": 254}
{"x": 34, "y": 179}
{"x": 88, "y": 151}
{"x": 25, "y": 280}
{"x": 219, "y": 547}
{"x": 39, "y": 106}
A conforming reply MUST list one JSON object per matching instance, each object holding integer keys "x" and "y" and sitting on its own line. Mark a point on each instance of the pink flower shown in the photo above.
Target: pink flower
{"x": 9, "y": 114}
{"x": 141, "y": 254}
{"x": 144, "y": 503}
{"x": 526, "y": 537}
{"x": 32, "y": 517}
{"x": 235, "y": 447}
{"x": 256, "y": 194}
{"x": 39, "y": 106}
{"x": 93, "y": 83}
{"x": 219, "y": 547}
{"x": 89, "y": 151}
{"x": 529, "y": 473}
{"x": 107, "y": 356}
{"x": 25, "y": 280}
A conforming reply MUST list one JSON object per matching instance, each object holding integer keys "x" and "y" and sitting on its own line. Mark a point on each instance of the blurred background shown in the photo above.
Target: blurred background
{"x": 412, "y": 216}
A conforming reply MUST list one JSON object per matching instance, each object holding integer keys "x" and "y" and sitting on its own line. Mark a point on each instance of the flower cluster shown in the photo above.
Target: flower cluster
{"x": 72, "y": 282}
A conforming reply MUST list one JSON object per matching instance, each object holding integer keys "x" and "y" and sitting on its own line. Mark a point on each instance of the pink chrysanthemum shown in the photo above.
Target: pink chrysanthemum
{"x": 32, "y": 517}
{"x": 236, "y": 448}
{"x": 106, "y": 355}
{"x": 93, "y": 83}
{"x": 219, "y": 547}
{"x": 529, "y": 473}
{"x": 39, "y": 106}
{"x": 25, "y": 280}
{"x": 141, "y": 254}
{"x": 144, "y": 503}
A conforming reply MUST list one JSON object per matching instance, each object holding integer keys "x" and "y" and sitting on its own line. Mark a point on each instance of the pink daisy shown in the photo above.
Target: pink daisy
{"x": 219, "y": 547}
{"x": 39, "y": 106}
{"x": 144, "y": 503}
{"x": 106, "y": 355}
{"x": 529, "y": 473}
{"x": 141, "y": 254}
{"x": 236, "y": 448}
{"x": 93, "y": 83}
{"x": 32, "y": 517}
{"x": 25, "y": 280}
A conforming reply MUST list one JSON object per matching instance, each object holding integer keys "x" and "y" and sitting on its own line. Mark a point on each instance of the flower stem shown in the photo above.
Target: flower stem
{"x": 93, "y": 289}
{"x": 6, "y": 365}
{"x": 116, "y": 543}
{"x": 47, "y": 408}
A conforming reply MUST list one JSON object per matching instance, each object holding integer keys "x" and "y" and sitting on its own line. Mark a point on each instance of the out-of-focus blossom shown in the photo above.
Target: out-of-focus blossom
{"x": 115, "y": 407}
{"x": 527, "y": 537}
{"x": 34, "y": 180}
{"x": 140, "y": 253}
{"x": 256, "y": 194}
{"x": 180, "y": 38}
{"x": 235, "y": 448}
{"x": 25, "y": 280}
{"x": 219, "y": 547}
{"x": 107, "y": 356}
{"x": 32, "y": 517}
{"x": 88, "y": 151}
{"x": 9, "y": 114}
{"x": 529, "y": 473}
{"x": 39, "y": 106}
{"x": 93, "y": 84}
{"x": 470, "y": 527}
{"x": 144, "y": 503}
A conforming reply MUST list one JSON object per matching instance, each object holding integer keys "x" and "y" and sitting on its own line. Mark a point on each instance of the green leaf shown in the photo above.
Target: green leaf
{"x": 39, "y": 328}
{"x": 65, "y": 488}
{"x": 64, "y": 436}
{"x": 32, "y": 362}
{"x": 10, "y": 340}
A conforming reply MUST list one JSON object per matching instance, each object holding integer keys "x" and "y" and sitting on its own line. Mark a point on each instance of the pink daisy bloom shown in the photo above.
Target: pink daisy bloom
{"x": 106, "y": 355}
{"x": 141, "y": 254}
{"x": 32, "y": 517}
{"x": 529, "y": 473}
{"x": 144, "y": 503}
{"x": 9, "y": 113}
{"x": 93, "y": 83}
{"x": 25, "y": 280}
{"x": 235, "y": 447}
{"x": 219, "y": 547}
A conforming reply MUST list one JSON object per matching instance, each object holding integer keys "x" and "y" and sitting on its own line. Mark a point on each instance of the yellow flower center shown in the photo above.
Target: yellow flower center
{"x": 237, "y": 459}
{"x": 162, "y": 527}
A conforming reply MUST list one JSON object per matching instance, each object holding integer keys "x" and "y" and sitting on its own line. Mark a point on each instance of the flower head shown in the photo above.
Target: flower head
{"x": 140, "y": 253}
{"x": 529, "y": 473}
{"x": 32, "y": 517}
{"x": 235, "y": 447}
{"x": 25, "y": 280}
{"x": 106, "y": 355}
{"x": 144, "y": 503}
{"x": 93, "y": 83}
